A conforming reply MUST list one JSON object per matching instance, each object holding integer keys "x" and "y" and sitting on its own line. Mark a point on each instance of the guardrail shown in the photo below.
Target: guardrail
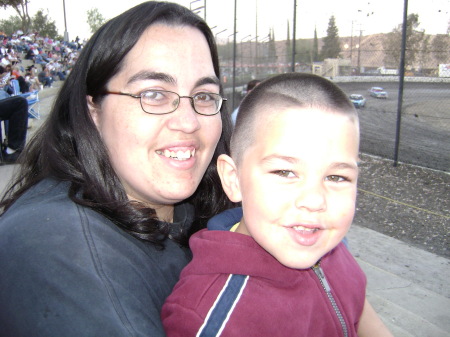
{"x": 385, "y": 78}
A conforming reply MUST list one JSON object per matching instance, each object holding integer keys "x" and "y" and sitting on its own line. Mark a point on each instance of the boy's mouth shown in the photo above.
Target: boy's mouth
{"x": 305, "y": 229}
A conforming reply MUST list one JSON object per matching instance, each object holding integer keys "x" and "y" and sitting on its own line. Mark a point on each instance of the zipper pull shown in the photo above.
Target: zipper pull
{"x": 319, "y": 272}
{"x": 323, "y": 281}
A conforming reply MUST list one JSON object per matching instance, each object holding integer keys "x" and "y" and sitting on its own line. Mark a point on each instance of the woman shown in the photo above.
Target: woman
{"x": 94, "y": 230}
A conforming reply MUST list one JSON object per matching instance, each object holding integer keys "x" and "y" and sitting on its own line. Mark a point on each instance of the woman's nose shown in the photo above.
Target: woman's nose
{"x": 184, "y": 118}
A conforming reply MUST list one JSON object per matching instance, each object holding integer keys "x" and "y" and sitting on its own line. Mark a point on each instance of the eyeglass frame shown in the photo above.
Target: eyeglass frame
{"x": 191, "y": 98}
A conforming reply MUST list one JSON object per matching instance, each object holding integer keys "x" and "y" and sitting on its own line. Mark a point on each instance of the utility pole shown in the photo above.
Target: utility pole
{"x": 66, "y": 34}
{"x": 234, "y": 56}
{"x": 359, "y": 51}
{"x": 351, "y": 46}
{"x": 401, "y": 80}
{"x": 293, "y": 36}
{"x": 256, "y": 44}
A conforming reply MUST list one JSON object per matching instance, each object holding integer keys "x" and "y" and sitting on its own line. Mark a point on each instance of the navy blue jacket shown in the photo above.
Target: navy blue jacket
{"x": 66, "y": 270}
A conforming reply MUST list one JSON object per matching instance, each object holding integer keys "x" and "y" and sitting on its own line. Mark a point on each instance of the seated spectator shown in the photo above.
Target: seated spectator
{"x": 15, "y": 111}
{"x": 16, "y": 72}
{"x": 33, "y": 81}
{"x": 5, "y": 60}
{"x": 56, "y": 70}
{"x": 22, "y": 47}
{"x": 30, "y": 54}
{"x": 250, "y": 86}
{"x": 5, "y": 77}
{"x": 45, "y": 77}
{"x": 12, "y": 55}
{"x": 23, "y": 85}
{"x": 39, "y": 59}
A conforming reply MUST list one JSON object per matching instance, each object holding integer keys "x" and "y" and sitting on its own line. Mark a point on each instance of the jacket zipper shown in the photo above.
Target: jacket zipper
{"x": 323, "y": 281}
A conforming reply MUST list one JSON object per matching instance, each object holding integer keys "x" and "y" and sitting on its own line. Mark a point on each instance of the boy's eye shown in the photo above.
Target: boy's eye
{"x": 336, "y": 179}
{"x": 284, "y": 173}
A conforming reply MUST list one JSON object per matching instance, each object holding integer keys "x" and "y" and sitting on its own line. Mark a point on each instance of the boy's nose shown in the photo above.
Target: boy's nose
{"x": 311, "y": 196}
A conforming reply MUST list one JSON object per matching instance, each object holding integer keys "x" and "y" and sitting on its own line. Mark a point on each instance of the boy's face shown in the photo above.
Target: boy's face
{"x": 297, "y": 183}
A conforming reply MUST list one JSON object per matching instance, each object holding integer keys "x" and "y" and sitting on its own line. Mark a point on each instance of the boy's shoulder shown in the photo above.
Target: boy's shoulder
{"x": 225, "y": 220}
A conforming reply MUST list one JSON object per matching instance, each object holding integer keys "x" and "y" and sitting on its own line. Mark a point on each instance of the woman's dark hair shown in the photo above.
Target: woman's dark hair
{"x": 68, "y": 146}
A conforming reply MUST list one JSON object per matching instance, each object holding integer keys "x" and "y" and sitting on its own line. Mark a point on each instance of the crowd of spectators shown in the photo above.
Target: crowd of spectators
{"x": 47, "y": 61}
{"x": 51, "y": 60}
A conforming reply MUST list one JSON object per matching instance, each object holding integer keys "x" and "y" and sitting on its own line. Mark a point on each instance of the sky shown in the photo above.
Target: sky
{"x": 257, "y": 17}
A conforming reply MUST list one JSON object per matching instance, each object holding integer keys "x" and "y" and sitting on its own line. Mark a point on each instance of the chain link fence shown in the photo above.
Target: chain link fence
{"x": 422, "y": 127}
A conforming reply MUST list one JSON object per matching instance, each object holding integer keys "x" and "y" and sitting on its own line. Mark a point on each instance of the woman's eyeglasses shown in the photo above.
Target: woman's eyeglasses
{"x": 161, "y": 102}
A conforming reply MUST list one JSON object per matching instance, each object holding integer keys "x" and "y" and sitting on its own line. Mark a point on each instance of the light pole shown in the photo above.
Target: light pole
{"x": 190, "y": 5}
{"x": 242, "y": 51}
{"x": 351, "y": 46}
{"x": 359, "y": 52}
{"x": 293, "y": 36}
{"x": 256, "y": 39}
{"x": 401, "y": 82}
{"x": 263, "y": 53}
{"x": 234, "y": 54}
{"x": 66, "y": 34}
{"x": 228, "y": 46}
{"x": 215, "y": 36}
{"x": 197, "y": 10}
{"x": 251, "y": 50}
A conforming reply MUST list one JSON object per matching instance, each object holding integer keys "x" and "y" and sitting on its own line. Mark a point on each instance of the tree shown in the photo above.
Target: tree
{"x": 21, "y": 7}
{"x": 94, "y": 19}
{"x": 415, "y": 43}
{"x": 331, "y": 45}
{"x": 11, "y": 25}
{"x": 42, "y": 24}
{"x": 272, "y": 50}
{"x": 288, "y": 45}
{"x": 315, "y": 48}
{"x": 440, "y": 47}
{"x": 303, "y": 51}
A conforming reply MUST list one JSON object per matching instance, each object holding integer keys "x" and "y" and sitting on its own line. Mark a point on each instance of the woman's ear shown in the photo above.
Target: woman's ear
{"x": 229, "y": 177}
{"x": 93, "y": 110}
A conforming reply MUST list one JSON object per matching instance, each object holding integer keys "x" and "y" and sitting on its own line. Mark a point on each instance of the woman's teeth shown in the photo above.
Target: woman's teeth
{"x": 177, "y": 155}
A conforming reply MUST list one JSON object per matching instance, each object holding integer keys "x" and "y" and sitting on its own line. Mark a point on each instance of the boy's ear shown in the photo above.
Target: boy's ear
{"x": 229, "y": 177}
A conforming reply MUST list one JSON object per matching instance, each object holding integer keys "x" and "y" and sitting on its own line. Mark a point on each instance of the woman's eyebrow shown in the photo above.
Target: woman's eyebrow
{"x": 154, "y": 75}
{"x": 151, "y": 75}
{"x": 207, "y": 80}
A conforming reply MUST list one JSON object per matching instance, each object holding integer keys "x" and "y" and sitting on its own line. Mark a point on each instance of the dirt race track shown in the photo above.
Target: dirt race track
{"x": 406, "y": 202}
{"x": 425, "y": 122}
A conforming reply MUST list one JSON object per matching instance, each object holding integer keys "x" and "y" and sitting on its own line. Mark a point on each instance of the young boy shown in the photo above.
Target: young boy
{"x": 283, "y": 269}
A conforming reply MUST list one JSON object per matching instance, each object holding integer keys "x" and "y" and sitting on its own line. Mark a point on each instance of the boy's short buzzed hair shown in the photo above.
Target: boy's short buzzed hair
{"x": 252, "y": 84}
{"x": 283, "y": 91}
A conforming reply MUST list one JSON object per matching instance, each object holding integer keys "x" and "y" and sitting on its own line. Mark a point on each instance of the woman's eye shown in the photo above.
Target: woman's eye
{"x": 284, "y": 173}
{"x": 204, "y": 97}
{"x": 153, "y": 96}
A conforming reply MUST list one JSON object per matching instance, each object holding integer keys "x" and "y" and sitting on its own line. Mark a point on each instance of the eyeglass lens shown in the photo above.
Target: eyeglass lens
{"x": 162, "y": 102}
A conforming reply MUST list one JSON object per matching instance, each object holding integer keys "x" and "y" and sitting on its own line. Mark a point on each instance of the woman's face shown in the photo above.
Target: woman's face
{"x": 161, "y": 159}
